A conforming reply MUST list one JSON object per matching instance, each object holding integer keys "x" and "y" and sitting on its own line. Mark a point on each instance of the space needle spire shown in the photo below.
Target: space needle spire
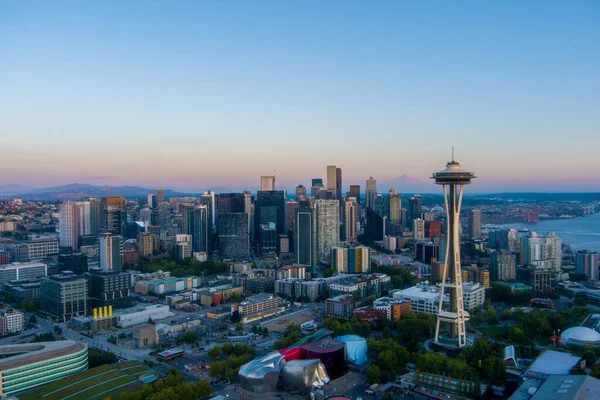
{"x": 453, "y": 180}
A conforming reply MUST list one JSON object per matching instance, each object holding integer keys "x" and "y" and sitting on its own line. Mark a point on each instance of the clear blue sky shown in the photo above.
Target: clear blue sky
{"x": 200, "y": 93}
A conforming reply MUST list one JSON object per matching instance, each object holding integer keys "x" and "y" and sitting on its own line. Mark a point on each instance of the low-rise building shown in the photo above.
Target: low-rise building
{"x": 41, "y": 247}
{"x": 144, "y": 336}
{"x": 341, "y": 306}
{"x": 394, "y": 309}
{"x": 12, "y": 321}
{"x": 19, "y": 271}
{"x": 64, "y": 296}
{"x": 140, "y": 315}
{"x": 35, "y": 364}
{"x": 259, "y": 306}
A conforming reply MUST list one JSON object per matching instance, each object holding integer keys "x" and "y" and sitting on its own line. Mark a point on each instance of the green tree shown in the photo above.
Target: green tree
{"x": 373, "y": 374}
{"x": 215, "y": 352}
{"x": 32, "y": 319}
{"x": 517, "y": 335}
{"x": 228, "y": 348}
{"x": 239, "y": 327}
{"x": 505, "y": 315}
{"x": 328, "y": 272}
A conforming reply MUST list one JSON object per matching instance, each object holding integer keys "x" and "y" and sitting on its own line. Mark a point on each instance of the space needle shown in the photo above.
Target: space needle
{"x": 453, "y": 180}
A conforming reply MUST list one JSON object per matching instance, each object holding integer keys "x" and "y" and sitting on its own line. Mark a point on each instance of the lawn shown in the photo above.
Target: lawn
{"x": 96, "y": 376}
{"x": 492, "y": 331}
{"x": 88, "y": 394}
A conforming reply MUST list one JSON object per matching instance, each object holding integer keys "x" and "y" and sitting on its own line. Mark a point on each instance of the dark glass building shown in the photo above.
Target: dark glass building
{"x": 108, "y": 288}
{"x": 269, "y": 208}
{"x": 234, "y": 238}
{"x": 304, "y": 234}
{"x": 75, "y": 262}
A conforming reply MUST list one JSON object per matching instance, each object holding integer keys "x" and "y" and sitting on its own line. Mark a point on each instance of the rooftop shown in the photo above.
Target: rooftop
{"x": 553, "y": 363}
{"x": 569, "y": 387}
{"x": 36, "y": 352}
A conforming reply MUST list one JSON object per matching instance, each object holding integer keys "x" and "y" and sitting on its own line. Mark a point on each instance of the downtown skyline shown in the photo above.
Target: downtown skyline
{"x": 217, "y": 94}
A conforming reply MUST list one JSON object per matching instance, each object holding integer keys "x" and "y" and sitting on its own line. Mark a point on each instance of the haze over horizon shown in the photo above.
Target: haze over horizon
{"x": 206, "y": 94}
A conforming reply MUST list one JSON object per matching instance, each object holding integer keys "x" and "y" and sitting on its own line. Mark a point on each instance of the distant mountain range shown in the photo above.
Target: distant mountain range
{"x": 404, "y": 184}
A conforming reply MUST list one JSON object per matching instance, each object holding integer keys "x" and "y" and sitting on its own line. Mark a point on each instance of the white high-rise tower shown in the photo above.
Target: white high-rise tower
{"x": 453, "y": 180}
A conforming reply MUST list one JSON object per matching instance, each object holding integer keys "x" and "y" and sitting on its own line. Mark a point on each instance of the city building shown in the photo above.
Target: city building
{"x": 414, "y": 208}
{"x": 328, "y": 228}
{"x": 110, "y": 252}
{"x": 473, "y": 295}
{"x": 350, "y": 218}
{"x": 24, "y": 290}
{"x": 267, "y": 182}
{"x": 29, "y": 365}
{"x": 354, "y": 192}
{"x": 269, "y": 208}
{"x": 304, "y": 234}
{"x": 426, "y": 252}
{"x": 64, "y": 296}
{"x": 12, "y": 321}
{"x": 503, "y": 266}
{"x": 370, "y": 193}
{"x": 540, "y": 279}
{"x": 418, "y": 229}
{"x": 300, "y": 193}
{"x": 144, "y": 336}
{"x": 75, "y": 262}
{"x": 68, "y": 224}
{"x": 586, "y": 262}
{"x": 474, "y": 223}
{"x": 146, "y": 244}
{"x": 541, "y": 251}
{"x": 394, "y": 309}
{"x": 20, "y": 271}
{"x": 160, "y": 195}
{"x": 234, "y": 237}
{"x": 40, "y": 248}
{"x": 353, "y": 260}
{"x": 152, "y": 201}
{"x": 108, "y": 287}
{"x": 423, "y": 298}
{"x": 139, "y": 315}
{"x": 341, "y": 306}
{"x": 258, "y": 307}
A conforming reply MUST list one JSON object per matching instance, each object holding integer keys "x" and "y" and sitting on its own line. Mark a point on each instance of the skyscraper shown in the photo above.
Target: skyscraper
{"x": 110, "y": 252}
{"x": 419, "y": 229}
{"x": 332, "y": 181}
{"x": 350, "y": 218}
{"x": 474, "y": 223}
{"x": 300, "y": 193}
{"x": 231, "y": 203}
{"x": 160, "y": 195}
{"x": 414, "y": 208}
{"x": 338, "y": 184}
{"x": 270, "y": 208}
{"x": 394, "y": 209}
{"x": 152, "y": 203}
{"x": 248, "y": 209}
{"x": 453, "y": 179}
{"x": 541, "y": 251}
{"x": 290, "y": 215}
{"x": 315, "y": 189}
{"x": 354, "y": 192}
{"x": 208, "y": 199}
{"x": 370, "y": 192}
{"x": 114, "y": 215}
{"x": 201, "y": 230}
{"x": 586, "y": 263}
{"x": 234, "y": 239}
{"x": 503, "y": 266}
{"x": 304, "y": 234}
{"x": 328, "y": 228}
{"x": 267, "y": 182}
{"x": 68, "y": 224}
